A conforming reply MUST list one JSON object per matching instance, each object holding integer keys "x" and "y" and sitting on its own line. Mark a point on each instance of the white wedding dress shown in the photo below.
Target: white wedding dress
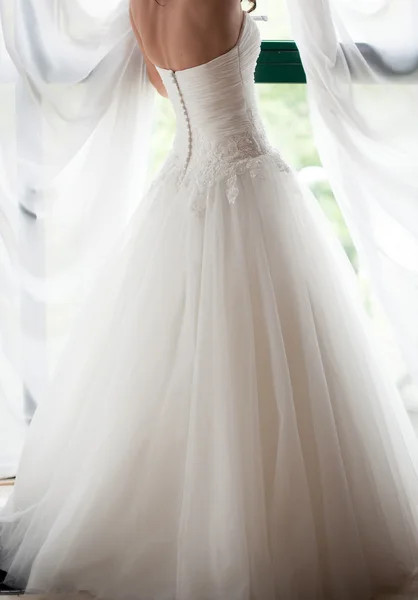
{"x": 219, "y": 427}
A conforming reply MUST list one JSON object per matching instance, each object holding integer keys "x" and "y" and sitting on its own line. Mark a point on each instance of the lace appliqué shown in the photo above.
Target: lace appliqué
{"x": 227, "y": 159}
{"x": 221, "y": 160}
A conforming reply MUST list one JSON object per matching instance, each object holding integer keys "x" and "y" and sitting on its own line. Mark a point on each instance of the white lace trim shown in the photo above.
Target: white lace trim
{"x": 223, "y": 160}
{"x": 230, "y": 172}
{"x": 226, "y": 159}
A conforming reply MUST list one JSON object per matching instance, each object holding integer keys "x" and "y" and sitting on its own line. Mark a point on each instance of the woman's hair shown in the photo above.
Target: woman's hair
{"x": 253, "y": 5}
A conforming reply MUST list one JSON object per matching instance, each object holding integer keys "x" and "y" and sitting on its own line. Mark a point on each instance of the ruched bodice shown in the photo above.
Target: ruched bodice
{"x": 215, "y": 97}
{"x": 219, "y": 130}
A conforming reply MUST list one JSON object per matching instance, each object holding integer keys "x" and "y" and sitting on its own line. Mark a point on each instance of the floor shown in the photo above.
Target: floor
{"x": 6, "y": 488}
{"x": 407, "y": 596}
{"x": 5, "y": 491}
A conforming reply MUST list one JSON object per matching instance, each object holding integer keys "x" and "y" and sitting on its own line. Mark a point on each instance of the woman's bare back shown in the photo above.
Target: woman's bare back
{"x": 179, "y": 34}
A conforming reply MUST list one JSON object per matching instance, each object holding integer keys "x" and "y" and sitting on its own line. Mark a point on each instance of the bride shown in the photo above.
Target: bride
{"x": 227, "y": 433}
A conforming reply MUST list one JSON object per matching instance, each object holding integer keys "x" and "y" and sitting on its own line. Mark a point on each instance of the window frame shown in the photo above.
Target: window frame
{"x": 279, "y": 62}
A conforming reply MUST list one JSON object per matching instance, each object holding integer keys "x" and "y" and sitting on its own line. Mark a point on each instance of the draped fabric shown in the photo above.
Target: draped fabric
{"x": 75, "y": 108}
{"x": 75, "y": 116}
{"x": 361, "y": 61}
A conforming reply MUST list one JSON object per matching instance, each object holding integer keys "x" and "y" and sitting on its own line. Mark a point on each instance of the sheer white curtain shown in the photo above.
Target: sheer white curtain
{"x": 75, "y": 109}
{"x": 361, "y": 60}
{"x": 74, "y": 141}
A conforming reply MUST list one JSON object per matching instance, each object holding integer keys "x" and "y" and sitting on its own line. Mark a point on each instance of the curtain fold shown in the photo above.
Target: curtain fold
{"x": 361, "y": 61}
{"x": 74, "y": 146}
{"x": 75, "y": 120}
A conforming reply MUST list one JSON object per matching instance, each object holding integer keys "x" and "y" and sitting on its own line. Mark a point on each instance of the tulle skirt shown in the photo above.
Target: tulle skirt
{"x": 219, "y": 427}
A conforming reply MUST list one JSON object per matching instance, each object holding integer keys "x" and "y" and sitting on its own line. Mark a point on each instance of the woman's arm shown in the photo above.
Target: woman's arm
{"x": 153, "y": 74}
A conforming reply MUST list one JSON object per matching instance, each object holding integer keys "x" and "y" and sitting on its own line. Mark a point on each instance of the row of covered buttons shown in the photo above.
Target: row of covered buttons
{"x": 187, "y": 120}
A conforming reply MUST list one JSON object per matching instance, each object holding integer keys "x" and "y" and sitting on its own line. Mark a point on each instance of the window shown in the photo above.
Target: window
{"x": 283, "y": 100}
{"x": 277, "y": 27}
{"x": 282, "y": 93}
{"x": 283, "y": 103}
